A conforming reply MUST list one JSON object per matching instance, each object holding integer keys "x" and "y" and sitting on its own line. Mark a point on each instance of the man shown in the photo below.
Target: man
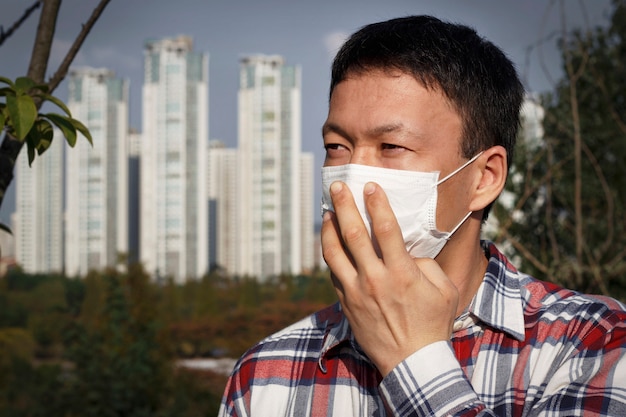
{"x": 422, "y": 120}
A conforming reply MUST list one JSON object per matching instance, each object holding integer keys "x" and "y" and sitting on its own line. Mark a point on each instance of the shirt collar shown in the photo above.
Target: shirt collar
{"x": 337, "y": 331}
{"x": 498, "y": 303}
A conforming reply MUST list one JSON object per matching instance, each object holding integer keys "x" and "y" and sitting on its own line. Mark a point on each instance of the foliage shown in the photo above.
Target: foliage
{"x": 19, "y": 115}
{"x": 121, "y": 364}
{"x": 568, "y": 220}
{"x": 106, "y": 344}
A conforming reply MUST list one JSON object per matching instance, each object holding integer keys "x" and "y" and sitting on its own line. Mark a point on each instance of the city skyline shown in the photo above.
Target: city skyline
{"x": 305, "y": 34}
{"x": 251, "y": 205}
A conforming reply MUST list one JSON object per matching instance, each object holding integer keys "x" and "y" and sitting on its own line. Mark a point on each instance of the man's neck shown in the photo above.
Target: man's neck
{"x": 464, "y": 261}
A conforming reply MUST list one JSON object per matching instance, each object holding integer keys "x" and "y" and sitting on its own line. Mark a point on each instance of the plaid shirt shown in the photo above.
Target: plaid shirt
{"x": 522, "y": 348}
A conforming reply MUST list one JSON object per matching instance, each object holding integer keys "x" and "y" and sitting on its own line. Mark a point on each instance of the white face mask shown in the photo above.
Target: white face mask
{"x": 412, "y": 196}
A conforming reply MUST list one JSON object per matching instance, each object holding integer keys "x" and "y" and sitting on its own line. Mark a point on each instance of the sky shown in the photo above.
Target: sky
{"x": 305, "y": 33}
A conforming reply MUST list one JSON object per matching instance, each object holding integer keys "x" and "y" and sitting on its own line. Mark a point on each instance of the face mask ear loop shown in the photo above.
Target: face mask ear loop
{"x": 460, "y": 168}
{"x": 458, "y": 225}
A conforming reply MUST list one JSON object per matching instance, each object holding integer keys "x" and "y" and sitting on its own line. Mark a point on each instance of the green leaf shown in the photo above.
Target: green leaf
{"x": 31, "y": 155}
{"x": 7, "y": 81}
{"x": 66, "y": 126}
{"x": 44, "y": 145}
{"x": 40, "y": 136}
{"x": 6, "y": 90}
{"x": 23, "y": 85}
{"x": 55, "y": 101}
{"x": 44, "y": 128}
{"x": 5, "y": 228}
{"x": 2, "y": 120}
{"x": 82, "y": 129}
{"x": 23, "y": 112}
{"x": 33, "y": 138}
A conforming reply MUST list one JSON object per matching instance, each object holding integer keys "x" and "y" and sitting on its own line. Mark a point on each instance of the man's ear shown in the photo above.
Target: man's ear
{"x": 490, "y": 178}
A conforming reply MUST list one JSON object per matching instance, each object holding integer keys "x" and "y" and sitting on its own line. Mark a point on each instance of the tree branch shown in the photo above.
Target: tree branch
{"x": 43, "y": 41}
{"x": 11, "y": 147}
{"x": 573, "y": 98}
{"x": 61, "y": 72}
{"x": 525, "y": 252}
{"x": 5, "y": 35}
{"x": 610, "y": 204}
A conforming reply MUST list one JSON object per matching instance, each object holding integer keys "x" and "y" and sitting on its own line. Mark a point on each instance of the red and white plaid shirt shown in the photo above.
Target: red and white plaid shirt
{"x": 523, "y": 348}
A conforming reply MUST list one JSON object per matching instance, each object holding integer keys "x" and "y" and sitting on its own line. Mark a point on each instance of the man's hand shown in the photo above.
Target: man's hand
{"x": 395, "y": 304}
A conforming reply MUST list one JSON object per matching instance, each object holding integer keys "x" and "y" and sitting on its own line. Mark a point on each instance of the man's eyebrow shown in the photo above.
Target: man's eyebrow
{"x": 330, "y": 127}
{"x": 387, "y": 128}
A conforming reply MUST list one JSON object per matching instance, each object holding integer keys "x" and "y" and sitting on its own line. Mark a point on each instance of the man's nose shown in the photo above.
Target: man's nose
{"x": 363, "y": 156}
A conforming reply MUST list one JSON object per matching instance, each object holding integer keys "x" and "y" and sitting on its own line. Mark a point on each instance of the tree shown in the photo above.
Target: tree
{"x": 568, "y": 217}
{"x": 19, "y": 118}
{"x": 122, "y": 364}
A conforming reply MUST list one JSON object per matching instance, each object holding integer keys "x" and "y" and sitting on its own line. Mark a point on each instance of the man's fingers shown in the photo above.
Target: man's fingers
{"x": 385, "y": 226}
{"x": 354, "y": 234}
{"x": 333, "y": 249}
{"x": 436, "y": 276}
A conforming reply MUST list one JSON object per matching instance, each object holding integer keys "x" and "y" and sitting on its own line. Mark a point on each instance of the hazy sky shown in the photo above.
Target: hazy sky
{"x": 305, "y": 33}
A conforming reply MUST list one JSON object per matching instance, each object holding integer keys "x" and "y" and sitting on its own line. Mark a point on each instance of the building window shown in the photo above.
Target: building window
{"x": 269, "y": 116}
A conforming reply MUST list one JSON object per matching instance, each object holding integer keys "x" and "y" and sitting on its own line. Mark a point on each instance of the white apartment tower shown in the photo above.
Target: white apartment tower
{"x": 223, "y": 186}
{"x": 96, "y": 178}
{"x": 270, "y": 232}
{"x": 38, "y": 217}
{"x": 173, "y": 236}
{"x": 307, "y": 232}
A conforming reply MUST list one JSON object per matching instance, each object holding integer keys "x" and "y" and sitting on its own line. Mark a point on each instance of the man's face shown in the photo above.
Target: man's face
{"x": 392, "y": 121}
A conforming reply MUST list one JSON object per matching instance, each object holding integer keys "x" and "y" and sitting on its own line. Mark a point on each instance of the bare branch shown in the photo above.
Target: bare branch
{"x": 530, "y": 188}
{"x": 525, "y": 252}
{"x": 43, "y": 41}
{"x": 554, "y": 245}
{"x": 573, "y": 77}
{"x": 542, "y": 61}
{"x": 617, "y": 266}
{"x": 595, "y": 270}
{"x": 608, "y": 241}
{"x": 5, "y": 35}
{"x": 61, "y": 72}
{"x": 617, "y": 117}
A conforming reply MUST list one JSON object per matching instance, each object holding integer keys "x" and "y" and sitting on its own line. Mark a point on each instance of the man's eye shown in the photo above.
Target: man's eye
{"x": 386, "y": 146}
{"x": 333, "y": 146}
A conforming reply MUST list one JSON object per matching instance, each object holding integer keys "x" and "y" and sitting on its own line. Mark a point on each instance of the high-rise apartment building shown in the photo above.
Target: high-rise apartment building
{"x": 97, "y": 176}
{"x": 37, "y": 222}
{"x": 224, "y": 210}
{"x": 270, "y": 201}
{"x": 173, "y": 236}
{"x": 307, "y": 221}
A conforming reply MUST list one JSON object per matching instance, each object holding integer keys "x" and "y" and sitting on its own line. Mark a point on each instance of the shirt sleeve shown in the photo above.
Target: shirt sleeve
{"x": 233, "y": 403}
{"x": 591, "y": 380}
{"x": 431, "y": 382}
